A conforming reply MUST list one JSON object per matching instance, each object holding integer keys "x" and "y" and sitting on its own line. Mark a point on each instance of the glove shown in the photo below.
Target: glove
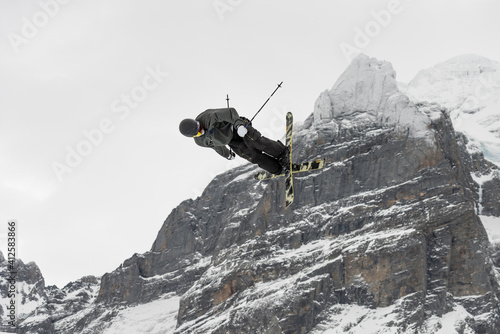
{"x": 246, "y": 121}
{"x": 242, "y": 131}
{"x": 231, "y": 155}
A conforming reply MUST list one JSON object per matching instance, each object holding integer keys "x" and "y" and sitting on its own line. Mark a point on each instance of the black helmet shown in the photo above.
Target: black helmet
{"x": 189, "y": 127}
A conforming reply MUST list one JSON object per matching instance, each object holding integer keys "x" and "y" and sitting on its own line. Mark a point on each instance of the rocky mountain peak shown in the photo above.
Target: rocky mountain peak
{"x": 366, "y": 85}
{"x": 367, "y": 93}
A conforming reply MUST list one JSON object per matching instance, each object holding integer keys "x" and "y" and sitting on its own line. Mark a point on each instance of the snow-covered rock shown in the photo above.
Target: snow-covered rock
{"x": 469, "y": 87}
{"x": 367, "y": 92}
{"x": 29, "y": 286}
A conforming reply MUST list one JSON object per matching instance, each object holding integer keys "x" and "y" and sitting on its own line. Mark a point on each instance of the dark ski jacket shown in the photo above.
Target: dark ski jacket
{"x": 219, "y": 125}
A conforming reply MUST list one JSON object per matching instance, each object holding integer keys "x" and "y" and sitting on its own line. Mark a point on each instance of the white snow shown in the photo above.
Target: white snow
{"x": 23, "y": 309}
{"x": 452, "y": 82}
{"x": 354, "y": 319}
{"x": 484, "y": 178}
{"x": 156, "y": 317}
{"x": 482, "y": 128}
{"x": 492, "y": 226}
{"x": 469, "y": 86}
{"x": 450, "y": 322}
{"x": 243, "y": 176}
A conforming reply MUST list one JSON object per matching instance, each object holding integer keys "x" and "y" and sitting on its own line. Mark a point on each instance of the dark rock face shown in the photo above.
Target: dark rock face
{"x": 487, "y": 179}
{"x": 491, "y": 197}
{"x": 410, "y": 235}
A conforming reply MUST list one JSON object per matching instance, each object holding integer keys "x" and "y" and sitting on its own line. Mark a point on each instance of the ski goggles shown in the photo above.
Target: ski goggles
{"x": 201, "y": 131}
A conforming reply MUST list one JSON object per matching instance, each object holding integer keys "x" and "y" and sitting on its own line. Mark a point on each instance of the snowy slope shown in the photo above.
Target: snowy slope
{"x": 469, "y": 86}
{"x": 29, "y": 287}
{"x": 24, "y": 289}
{"x": 355, "y": 319}
{"x": 156, "y": 317}
{"x": 492, "y": 226}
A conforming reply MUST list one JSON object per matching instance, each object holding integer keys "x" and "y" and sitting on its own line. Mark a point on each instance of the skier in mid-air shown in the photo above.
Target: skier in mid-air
{"x": 219, "y": 128}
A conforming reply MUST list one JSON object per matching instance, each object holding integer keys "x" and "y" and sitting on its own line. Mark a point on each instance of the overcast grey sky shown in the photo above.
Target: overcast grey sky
{"x": 92, "y": 93}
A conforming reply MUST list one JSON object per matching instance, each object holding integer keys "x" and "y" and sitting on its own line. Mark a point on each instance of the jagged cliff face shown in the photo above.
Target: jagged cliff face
{"x": 30, "y": 287}
{"x": 386, "y": 233}
{"x": 390, "y": 220}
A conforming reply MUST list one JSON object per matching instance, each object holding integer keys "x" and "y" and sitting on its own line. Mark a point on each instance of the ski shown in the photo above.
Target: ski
{"x": 289, "y": 195}
{"x": 296, "y": 168}
{"x": 293, "y": 168}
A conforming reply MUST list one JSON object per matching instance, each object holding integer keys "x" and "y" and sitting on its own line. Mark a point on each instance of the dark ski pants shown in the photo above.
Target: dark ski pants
{"x": 258, "y": 150}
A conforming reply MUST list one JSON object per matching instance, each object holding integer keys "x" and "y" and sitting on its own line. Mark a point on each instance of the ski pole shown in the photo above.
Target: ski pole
{"x": 227, "y": 99}
{"x": 279, "y": 85}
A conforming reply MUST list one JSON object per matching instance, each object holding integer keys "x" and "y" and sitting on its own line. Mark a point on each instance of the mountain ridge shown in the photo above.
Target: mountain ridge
{"x": 390, "y": 225}
{"x": 469, "y": 87}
